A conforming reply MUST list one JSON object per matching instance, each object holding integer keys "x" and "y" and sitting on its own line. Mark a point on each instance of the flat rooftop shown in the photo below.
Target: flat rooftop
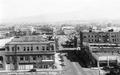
{"x": 104, "y": 56}
{"x": 30, "y": 40}
{"x": 106, "y": 49}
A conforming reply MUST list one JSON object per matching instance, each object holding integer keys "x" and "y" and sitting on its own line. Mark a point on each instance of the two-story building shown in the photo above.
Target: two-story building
{"x": 29, "y": 52}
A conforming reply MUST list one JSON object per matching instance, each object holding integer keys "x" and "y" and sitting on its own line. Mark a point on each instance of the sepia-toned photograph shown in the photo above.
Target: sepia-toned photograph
{"x": 59, "y": 37}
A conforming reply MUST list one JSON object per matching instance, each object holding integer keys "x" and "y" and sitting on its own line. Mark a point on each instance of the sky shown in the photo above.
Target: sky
{"x": 60, "y": 9}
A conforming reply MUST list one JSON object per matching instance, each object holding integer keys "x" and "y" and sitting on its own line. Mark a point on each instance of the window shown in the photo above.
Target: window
{"x": 27, "y": 48}
{"x": 113, "y": 40}
{"x": 32, "y": 48}
{"x": 18, "y": 48}
{"x": 89, "y": 40}
{"x": 45, "y": 66}
{"x": 52, "y": 47}
{"x": 24, "y": 49}
{"x": 37, "y": 48}
{"x": 43, "y": 48}
{"x": 34, "y": 57}
{"x": 21, "y": 58}
{"x": 47, "y": 47}
{"x": 92, "y": 40}
{"x": 12, "y": 48}
{"x": 84, "y": 36}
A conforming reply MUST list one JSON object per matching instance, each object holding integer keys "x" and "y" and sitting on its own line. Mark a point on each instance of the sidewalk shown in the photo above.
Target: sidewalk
{"x": 57, "y": 62}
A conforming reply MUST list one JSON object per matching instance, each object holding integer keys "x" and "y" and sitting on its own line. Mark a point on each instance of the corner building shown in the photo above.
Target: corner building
{"x": 29, "y": 52}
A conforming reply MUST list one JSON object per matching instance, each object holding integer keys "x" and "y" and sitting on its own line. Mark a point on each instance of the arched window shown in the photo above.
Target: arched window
{"x": 13, "y": 48}
{"x": 34, "y": 57}
{"x": 43, "y": 48}
{"x": 31, "y": 48}
{"x": 27, "y": 48}
{"x": 37, "y": 48}
{"x": 47, "y": 48}
{"x": 52, "y": 47}
{"x": 18, "y": 48}
{"x": 21, "y": 58}
{"x": 24, "y": 49}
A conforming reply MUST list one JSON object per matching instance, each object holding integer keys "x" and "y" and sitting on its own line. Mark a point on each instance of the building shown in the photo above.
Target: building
{"x": 2, "y": 50}
{"x": 23, "y": 30}
{"x": 105, "y": 54}
{"x": 29, "y": 52}
{"x": 5, "y": 30}
{"x": 68, "y": 29}
{"x": 106, "y": 59}
{"x": 101, "y": 37}
{"x": 44, "y": 30}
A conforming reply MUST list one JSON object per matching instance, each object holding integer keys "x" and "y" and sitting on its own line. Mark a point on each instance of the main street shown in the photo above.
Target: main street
{"x": 72, "y": 68}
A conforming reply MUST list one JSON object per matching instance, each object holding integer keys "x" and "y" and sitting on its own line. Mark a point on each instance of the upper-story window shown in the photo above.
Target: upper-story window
{"x": 52, "y": 47}
{"x": 88, "y": 40}
{"x": 27, "y": 48}
{"x": 24, "y": 49}
{"x": 37, "y": 48}
{"x": 31, "y": 48}
{"x": 13, "y": 48}
{"x": 47, "y": 48}
{"x": 43, "y": 48}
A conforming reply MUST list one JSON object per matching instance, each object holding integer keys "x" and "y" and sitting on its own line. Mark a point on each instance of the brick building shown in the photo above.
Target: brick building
{"x": 101, "y": 37}
{"x": 29, "y": 52}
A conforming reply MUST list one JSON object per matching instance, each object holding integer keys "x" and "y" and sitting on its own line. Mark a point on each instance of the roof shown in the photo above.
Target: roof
{"x": 22, "y": 43}
{"x": 107, "y": 49}
{"x": 30, "y": 40}
{"x": 4, "y": 41}
{"x": 106, "y": 56}
{"x": 101, "y": 44}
